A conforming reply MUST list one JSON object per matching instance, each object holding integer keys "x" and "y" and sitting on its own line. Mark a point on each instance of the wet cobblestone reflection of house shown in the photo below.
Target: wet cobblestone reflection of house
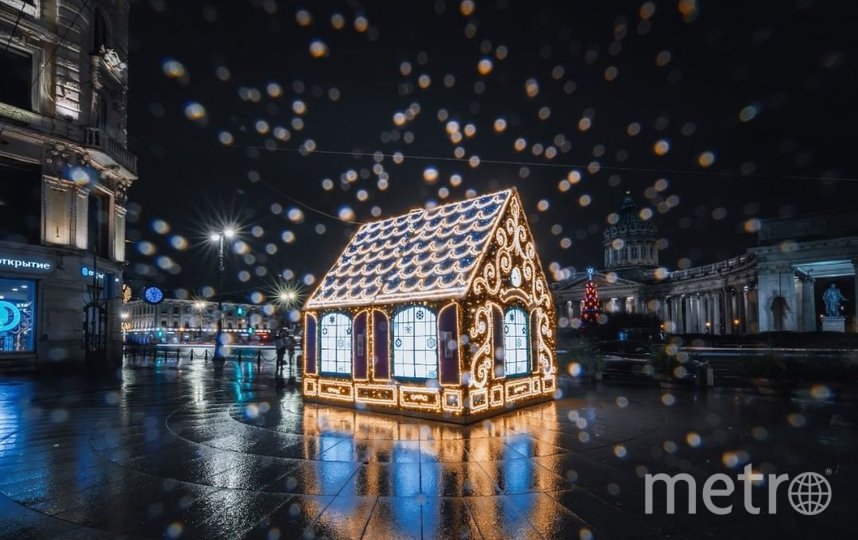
{"x": 775, "y": 286}
{"x": 443, "y": 312}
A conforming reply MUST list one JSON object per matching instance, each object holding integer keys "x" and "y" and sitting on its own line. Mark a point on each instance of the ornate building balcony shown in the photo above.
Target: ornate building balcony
{"x": 109, "y": 152}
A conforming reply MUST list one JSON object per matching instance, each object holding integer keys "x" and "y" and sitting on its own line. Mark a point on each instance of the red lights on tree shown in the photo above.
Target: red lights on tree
{"x": 592, "y": 308}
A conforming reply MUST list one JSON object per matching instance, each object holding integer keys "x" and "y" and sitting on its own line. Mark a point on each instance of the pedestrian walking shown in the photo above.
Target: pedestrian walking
{"x": 290, "y": 346}
{"x": 280, "y": 347}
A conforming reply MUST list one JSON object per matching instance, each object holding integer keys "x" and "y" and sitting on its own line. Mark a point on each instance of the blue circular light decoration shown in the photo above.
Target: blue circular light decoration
{"x": 153, "y": 295}
{"x": 11, "y": 316}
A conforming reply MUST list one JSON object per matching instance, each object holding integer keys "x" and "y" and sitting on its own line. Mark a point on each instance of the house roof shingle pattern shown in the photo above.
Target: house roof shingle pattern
{"x": 420, "y": 255}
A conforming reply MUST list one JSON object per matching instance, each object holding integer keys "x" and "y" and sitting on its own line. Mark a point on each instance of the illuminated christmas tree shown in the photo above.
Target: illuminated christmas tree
{"x": 592, "y": 308}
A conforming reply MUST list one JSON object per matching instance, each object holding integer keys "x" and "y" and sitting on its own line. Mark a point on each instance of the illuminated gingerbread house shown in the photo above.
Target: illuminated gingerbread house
{"x": 443, "y": 312}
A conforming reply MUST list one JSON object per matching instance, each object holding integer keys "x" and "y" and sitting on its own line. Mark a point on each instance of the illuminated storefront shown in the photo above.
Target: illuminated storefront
{"x": 17, "y": 315}
{"x": 443, "y": 312}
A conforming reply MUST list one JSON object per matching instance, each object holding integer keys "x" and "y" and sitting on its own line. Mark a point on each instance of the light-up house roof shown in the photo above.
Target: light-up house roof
{"x": 420, "y": 255}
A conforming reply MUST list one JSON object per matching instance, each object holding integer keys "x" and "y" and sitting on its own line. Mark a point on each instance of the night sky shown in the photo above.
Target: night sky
{"x": 296, "y": 121}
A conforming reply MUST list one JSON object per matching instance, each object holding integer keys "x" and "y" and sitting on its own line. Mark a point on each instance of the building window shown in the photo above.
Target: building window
{"x": 336, "y": 344}
{"x": 415, "y": 344}
{"x": 98, "y": 225}
{"x": 20, "y": 201}
{"x": 515, "y": 342}
{"x": 17, "y": 315}
{"x": 17, "y": 70}
{"x": 100, "y": 31}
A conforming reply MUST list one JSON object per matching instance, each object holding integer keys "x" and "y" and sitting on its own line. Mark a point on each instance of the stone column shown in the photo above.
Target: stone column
{"x": 694, "y": 319}
{"x": 753, "y": 322}
{"x": 854, "y": 298}
{"x": 716, "y": 313}
{"x": 669, "y": 311}
{"x": 701, "y": 314}
{"x": 712, "y": 298}
{"x": 807, "y": 323}
{"x": 710, "y": 312}
{"x": 680, "y": 314}
{"x": 678, "y": 321}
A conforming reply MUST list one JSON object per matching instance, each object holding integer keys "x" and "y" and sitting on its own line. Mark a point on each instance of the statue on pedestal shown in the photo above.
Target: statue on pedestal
{"x": 832, "y": 298}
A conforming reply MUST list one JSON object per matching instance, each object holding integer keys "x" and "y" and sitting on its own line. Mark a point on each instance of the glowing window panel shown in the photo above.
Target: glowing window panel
{"x": 335, "y": 351}
{"x": 17, "y": 316}
{"x": 515, "y": 342}
{"x": 415, "y": 344}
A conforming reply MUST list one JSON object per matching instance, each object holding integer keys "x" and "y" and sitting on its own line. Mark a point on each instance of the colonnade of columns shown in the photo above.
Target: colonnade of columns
{"x": 728, "y": 310}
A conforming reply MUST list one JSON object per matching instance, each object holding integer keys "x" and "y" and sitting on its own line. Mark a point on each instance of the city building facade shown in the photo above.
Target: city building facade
{"x": 176, "y": 321}
{"x": 776, "y": 285}
{"x": 65, "y": 169}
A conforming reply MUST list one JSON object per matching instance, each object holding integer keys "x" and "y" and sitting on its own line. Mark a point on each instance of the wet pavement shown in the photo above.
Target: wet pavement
{"x": 175, "y": 451}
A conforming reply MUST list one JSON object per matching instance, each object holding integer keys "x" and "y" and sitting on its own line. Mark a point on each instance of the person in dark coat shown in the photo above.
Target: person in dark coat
{"x": 280, "y": 347}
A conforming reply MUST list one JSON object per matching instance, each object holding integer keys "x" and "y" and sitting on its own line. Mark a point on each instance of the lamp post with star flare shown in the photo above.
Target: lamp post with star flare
{"x": 289, "y": 296}
{"x": 219, "y": 237}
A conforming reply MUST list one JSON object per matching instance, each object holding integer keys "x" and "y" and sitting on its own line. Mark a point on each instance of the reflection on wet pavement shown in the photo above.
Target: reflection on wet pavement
{"x": 180, "y": 452}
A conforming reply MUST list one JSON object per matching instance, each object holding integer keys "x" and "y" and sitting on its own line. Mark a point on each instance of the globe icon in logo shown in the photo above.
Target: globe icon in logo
{"x": 809, "y": 493}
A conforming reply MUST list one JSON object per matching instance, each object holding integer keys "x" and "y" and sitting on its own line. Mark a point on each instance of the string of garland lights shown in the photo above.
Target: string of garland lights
{"x": 447, "y": 313}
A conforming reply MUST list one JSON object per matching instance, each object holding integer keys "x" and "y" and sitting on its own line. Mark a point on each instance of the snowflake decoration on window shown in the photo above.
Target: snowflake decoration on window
{"x": 324, "y": 331}
{"x": 398, "y": 342}
{"x": 524, "y": 330}
{"x": 407, "y": 329}
{"x": 341, "y": 344}
{"x": 430, "y": 343}
{"x": 419, "y": 314}
{"x": 506, "y": 330}
{"x": 518, "y": 342}
{"x": 331, "y": 319}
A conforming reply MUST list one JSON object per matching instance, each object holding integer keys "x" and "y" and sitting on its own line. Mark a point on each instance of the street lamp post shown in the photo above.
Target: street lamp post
{"x": 219, "y": 238}
{"x": 200, "y": 306}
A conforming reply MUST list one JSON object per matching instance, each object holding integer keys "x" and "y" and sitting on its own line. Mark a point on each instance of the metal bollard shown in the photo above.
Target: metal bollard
{"x": 239, "y": 356}
{"x": 191, "y": 356}
{"x": 207, "y": 356}
{"x": 705, "y": 375}
{"x": 259, "y": 359}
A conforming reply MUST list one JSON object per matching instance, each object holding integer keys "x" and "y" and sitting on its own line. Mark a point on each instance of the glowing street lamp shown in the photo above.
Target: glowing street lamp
{"x": 200, "y": 306}
{"x": 219, "y": 237}
{"x": 125, "y": 325}
{"x": 288, "y": 296}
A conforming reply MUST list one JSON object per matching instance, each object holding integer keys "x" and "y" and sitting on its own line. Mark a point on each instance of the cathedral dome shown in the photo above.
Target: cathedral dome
{"x": 629, "y": 225}
{"x": 630, "y": 240}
